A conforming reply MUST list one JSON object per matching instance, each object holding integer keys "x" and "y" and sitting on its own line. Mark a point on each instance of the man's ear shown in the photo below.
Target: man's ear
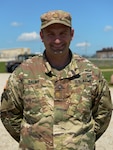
{"x": 72, "y": 33}
{"x": 41, "y": 35}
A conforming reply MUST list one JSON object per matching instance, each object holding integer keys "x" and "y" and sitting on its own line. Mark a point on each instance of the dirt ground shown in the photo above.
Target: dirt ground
{"x": 8, "y": 143}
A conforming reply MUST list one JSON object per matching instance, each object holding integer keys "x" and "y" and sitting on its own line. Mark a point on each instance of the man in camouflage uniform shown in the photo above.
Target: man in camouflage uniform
{"x": 58, "y": 100}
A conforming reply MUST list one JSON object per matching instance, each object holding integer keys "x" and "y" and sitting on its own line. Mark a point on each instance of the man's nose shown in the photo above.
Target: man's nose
{"x": 57, "y": 40}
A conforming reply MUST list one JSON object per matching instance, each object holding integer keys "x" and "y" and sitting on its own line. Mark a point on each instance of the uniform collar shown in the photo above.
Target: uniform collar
{"x": 70, "y": 70}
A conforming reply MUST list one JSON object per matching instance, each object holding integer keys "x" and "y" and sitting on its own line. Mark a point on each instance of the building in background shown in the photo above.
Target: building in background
{"x": 13, "y": 53}
{"x": 105, "y": 53}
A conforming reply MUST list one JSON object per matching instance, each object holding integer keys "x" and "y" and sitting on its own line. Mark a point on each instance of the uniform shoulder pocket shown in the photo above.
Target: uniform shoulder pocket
{"x": 6, "y": 103}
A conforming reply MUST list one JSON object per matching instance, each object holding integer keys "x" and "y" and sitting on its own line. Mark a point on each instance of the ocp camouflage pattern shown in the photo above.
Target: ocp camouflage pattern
{"x": 48, "y": 109}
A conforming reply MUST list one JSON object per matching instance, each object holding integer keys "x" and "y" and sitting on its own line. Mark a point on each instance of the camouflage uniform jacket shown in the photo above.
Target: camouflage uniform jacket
{"x": 48, "y": 109}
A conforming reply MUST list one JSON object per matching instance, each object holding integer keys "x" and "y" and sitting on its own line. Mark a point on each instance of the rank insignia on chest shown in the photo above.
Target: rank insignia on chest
{"x": 58, "y": 92}
{"x": 62, "y": 91}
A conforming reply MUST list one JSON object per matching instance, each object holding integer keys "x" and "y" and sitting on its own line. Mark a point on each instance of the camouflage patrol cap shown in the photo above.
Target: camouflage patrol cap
{"x": 56, "y": 16}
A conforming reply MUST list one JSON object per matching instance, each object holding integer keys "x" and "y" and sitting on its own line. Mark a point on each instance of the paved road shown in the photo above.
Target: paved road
{"x": 8, "y": 143}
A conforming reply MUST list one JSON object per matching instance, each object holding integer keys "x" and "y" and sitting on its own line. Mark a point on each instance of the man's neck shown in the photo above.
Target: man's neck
{"x": 59, "y": 61}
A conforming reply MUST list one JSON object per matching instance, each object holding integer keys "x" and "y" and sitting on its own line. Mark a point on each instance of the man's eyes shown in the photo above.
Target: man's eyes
{"x": 50, "y": 34}
{"x": 62, "y": 34}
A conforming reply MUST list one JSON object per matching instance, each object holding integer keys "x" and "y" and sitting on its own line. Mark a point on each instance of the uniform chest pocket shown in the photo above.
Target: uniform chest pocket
{"x": 39, "y": 85}
{"x": 80, "y": 100}
{"x": 38, "y": 97}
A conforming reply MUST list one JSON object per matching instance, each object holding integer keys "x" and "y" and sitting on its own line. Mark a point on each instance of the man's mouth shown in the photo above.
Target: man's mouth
{"x": 58, "y": 47}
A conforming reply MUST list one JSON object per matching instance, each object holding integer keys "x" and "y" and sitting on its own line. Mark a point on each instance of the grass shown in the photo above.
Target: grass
{"x": 103, "y": 63}
{"x": 107, "y": 75}
{"x": 2, "y": 67}
{"x": 106, "y": 66}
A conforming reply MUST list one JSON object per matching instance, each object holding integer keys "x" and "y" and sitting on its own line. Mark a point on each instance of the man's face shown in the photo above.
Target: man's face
{"x": 56, "y": 38}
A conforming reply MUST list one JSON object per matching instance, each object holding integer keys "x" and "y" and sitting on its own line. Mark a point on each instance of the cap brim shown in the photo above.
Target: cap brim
{"x": 55, "y": 21}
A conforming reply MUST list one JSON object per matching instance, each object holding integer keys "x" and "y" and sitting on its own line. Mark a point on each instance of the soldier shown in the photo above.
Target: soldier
{"x": 57, "y": 100}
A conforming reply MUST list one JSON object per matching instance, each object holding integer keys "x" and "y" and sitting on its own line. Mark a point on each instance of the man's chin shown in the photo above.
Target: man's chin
{"x": 58, "y": 52}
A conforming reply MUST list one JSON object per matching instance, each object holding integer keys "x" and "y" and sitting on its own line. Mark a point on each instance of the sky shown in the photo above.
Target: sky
{"x": 92, "y": 21}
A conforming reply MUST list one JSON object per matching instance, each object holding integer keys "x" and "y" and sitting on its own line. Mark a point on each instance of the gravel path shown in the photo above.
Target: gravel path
{"x": 8, "y": 143}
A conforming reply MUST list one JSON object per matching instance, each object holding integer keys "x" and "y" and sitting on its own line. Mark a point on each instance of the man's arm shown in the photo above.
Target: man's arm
{"x": 102, "y": 110}
{"x": 11, "y": 107}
